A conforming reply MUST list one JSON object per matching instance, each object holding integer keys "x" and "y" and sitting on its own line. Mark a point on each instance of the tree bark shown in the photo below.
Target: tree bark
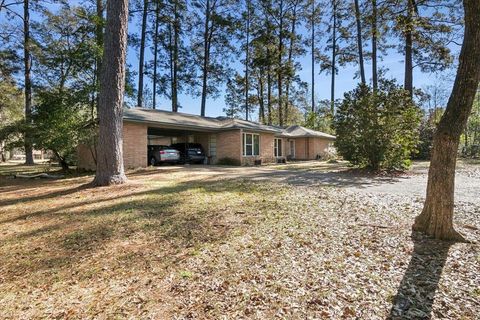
{"x": 359, "y": 42}
{"x": 374, "y": 45}
{"x": 312, "y": 39}
{"x": 99, "y": 42}
{"x": 110, "y": 168}
{"x": 206, "y": 56}
{"x": 247, "y": 59}
{"x": 155, "y": 55}
{"x": 176, "y": 35}
{"x": 28, "y": 81}
{"x": 408, "y": 81}
{"x": 290, "y": 60}
{"x": 260, "y": 95}
{"x": 436, "y": 219}
{"x": 141, "y": 61}
{"x": 280, "y": 66}
{"x": 269, "y": 95}
{"x": 334, "y": 56}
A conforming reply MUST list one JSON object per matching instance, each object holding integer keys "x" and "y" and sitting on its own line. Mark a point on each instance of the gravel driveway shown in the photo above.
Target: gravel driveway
{"x": 412, "y": 184}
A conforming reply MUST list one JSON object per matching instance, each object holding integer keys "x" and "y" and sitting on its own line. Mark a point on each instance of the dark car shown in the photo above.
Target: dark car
{"x": 158, "y": 154}
{"x": 190, "y": 152}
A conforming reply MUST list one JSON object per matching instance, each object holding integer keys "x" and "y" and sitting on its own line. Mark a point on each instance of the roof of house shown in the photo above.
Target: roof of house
{"x": 302, "y": 132}
{"x": 189, "y": 121}
{"x": 176, "y": 119}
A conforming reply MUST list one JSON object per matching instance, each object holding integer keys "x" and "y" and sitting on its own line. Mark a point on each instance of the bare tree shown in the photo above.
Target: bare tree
{"x": 28, "y": 80}
{"x": 112, "y": 85}
{"x": 436, "y": 218}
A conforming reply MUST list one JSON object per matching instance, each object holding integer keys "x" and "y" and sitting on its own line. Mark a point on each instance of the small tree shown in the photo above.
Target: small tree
{"x": 58, "y": 125}
{"x": 377, "y": 129}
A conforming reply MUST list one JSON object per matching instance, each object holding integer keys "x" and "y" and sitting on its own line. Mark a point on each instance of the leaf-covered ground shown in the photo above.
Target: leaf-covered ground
{"x": 221, "y": 244}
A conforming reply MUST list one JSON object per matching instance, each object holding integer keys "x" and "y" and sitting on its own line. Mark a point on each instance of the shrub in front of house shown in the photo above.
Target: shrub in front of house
{"x": 377, "y": 129}
{"x": 228, "y": 162}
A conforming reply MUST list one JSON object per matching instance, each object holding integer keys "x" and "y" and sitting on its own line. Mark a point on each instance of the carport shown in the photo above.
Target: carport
{"x": 163, "y": 135}
{"x": 143, "y": 127}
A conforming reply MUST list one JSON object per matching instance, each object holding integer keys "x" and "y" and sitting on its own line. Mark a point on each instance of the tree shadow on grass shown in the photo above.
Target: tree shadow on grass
{"x": 415, "y": 296}
{"x": 153, "y": 213}
{"x": 46, "y": 195}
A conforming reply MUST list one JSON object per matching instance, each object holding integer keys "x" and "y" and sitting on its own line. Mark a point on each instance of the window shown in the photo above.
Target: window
{"x": 277, "y": 148}
{"x": 251, "y": 144}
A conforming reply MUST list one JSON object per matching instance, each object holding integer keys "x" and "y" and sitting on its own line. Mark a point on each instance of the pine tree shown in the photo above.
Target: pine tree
{"x": 110, "y": 168}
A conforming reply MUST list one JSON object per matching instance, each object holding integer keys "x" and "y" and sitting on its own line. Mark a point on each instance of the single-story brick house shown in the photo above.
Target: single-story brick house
{"x": 245, "y": 141}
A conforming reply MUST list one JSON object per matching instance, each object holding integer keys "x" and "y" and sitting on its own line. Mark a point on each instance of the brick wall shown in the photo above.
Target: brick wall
{"x": 309, "y": 148}
{"x": 229, "y": 145}
{"x": 301, "y": 148}
{"x": 317, "y": 147}
{"x": 134, "y": 145}
{"x": 134, "y": 148}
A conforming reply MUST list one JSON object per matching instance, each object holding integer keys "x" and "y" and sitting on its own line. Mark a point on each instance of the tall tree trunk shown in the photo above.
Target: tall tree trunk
{"x": 110, "y": 168}
{"x": 269, "y": 95}
{"x": 374, "y": 45}
{"x": 280, "y": 66}
{"x": 28, "y": 81}
{"x": 436, "y": 218}
{"x": 247, "y": 59}
{"x": 97, "y": 75}
{"x": 99, "y": 42}
{"x": 155, "y": 55}
{"x": 408, "y": 81}
{"x": 359, "y": 42}
{"x": 312, "y": 39}
{"x": 290, "y": 60}
{"x": 206, "y": 57}
{"x": 170, "y": 55}
{"x": 261, "y": 101}
{"x": 141, "y": 61}
{"x": 176, "y": 35}
{"x": 334, "y": 56}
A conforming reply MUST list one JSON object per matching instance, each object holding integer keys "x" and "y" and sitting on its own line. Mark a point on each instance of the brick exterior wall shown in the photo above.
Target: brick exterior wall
{"x": 317, "y": 147}
{"x": 134, "y": 148}
{"x": 229, "y": 145}
{"x": 134, "y": 145}
{"x": 301, "y": 148}
{"x": 310, "y": 148}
